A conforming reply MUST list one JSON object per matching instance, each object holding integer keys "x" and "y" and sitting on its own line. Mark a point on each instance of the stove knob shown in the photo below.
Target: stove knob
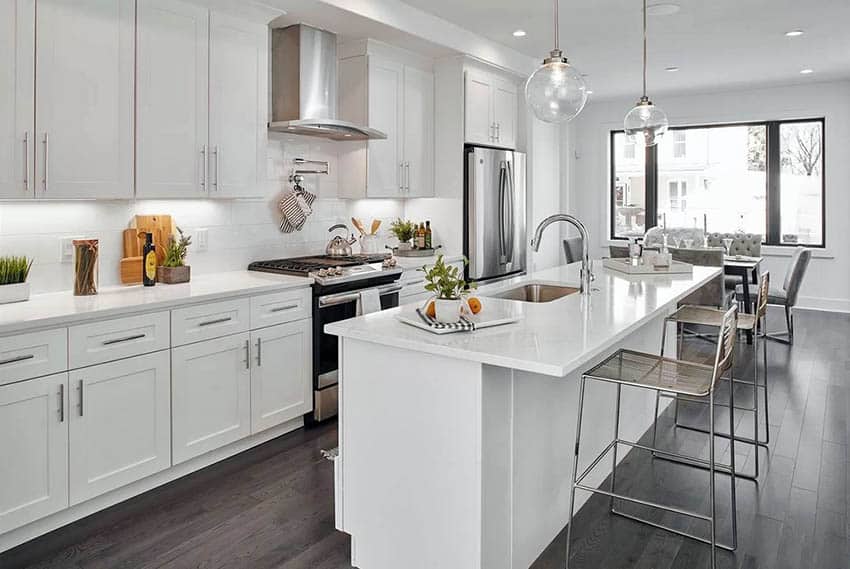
{"x": 337, "y": 270}
{"x": 322, "y": 273}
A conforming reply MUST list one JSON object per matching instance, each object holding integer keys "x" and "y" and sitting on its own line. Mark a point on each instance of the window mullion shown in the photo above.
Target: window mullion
{"x": 773, "y": 193}
{"x": 651, "y": 177}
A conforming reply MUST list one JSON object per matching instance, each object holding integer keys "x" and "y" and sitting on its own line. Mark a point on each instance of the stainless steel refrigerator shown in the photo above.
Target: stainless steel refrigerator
{"x": 494, "y": 213}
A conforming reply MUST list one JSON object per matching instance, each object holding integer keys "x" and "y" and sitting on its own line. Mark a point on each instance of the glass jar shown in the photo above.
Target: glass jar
{"x": 86, "y": 266}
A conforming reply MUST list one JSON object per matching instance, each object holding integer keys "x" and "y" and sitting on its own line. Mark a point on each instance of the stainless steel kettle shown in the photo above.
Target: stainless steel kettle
{"x": 339, "y": 246}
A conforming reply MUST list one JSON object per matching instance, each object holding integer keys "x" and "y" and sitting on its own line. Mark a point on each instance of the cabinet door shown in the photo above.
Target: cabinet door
{"x": 418, "y": 132}
{"x": 120, "y": 425}
{"x": 238, "y": 106}
{"x": 478, "y": 123}
{"x": 34, "y": 439}
{"x": 17, "y": 59}
{"x": 211, "y": 395}
{"x": 84, "y": 101}
{"x": 281, "y": 378}
{"x": 504, "y": 113}
{"x": 385, "y": 166}
{"x": 172, "y": 91}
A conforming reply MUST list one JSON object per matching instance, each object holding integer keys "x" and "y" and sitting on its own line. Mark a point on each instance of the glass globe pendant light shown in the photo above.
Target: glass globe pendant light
{"x": 645, "y": 120}
{"x": 556, "y": 91}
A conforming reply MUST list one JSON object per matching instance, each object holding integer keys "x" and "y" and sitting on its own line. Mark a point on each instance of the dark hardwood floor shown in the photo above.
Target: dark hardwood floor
{"x": 272, "y": 507}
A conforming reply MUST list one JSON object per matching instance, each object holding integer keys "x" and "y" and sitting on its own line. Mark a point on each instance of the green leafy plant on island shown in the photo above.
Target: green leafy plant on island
{"x": 403, "y": 229}
{"x": 176, "y": 250}
{"x": 14, "y": 270}
{"x": 446, "y": 281}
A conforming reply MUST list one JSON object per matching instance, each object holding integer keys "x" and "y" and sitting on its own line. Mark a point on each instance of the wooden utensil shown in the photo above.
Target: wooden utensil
{"x": 376, "y": 223}
{"x": 359, "y": 225}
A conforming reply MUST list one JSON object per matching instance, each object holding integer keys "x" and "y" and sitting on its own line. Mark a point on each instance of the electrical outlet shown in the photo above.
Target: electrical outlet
{"x": 201, "y": 240}
{"x": 66, "y": 249}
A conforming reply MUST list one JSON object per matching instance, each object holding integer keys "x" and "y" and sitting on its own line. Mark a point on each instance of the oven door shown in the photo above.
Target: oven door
{"x": 333, "y": 308}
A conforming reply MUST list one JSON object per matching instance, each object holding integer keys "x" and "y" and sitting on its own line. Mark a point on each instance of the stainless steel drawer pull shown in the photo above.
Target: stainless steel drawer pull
{"x": 61, "y": 402}
{"x": 126, "y": 339}
{"x": 81, "y": 398}
{"x": 259, "y": 352}
{"x": 216, "y": 321}
{"x": 282, "y": 308}
{"x": 17, "y": 359}
{"x": 247, "y": 354}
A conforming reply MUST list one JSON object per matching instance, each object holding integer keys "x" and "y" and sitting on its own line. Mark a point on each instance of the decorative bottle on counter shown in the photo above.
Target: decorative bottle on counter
{"x": 420, "y": 236}
{"x": 149, "y": 261}
{"x": 428, "y": 236}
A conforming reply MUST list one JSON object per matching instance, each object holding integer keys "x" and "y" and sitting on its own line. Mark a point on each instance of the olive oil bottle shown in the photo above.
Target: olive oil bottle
{"x": 149, "y": 261}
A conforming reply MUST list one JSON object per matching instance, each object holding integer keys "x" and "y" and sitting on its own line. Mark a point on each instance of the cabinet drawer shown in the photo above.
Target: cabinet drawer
{"x": 110, "y": 340}
{"x": 281, "y": 307}
{"x": 25, "y": 356}
{"x": 207, "y": 321}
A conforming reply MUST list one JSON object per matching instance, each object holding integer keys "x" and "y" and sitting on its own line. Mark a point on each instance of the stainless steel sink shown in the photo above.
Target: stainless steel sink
{"x": 535, "y": 292}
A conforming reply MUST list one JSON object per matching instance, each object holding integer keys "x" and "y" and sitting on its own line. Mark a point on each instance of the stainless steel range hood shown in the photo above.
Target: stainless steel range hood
{"x": 304, "y": 86}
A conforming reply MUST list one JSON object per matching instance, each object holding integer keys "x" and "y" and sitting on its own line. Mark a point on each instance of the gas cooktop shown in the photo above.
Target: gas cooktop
{"x": 326, "y": 269}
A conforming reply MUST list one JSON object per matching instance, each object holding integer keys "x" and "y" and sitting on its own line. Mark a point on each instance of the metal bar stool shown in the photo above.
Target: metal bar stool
{"x": 658, "y": 373}
{"x": 709, "y": 316}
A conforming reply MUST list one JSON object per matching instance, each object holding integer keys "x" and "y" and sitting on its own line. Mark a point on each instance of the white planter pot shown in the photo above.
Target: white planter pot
{"x": 447, "y": 311}
{"x": 14, "y": 293}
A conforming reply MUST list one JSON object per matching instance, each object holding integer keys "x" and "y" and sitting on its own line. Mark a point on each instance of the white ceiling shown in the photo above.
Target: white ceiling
{"x": 715, "y": 43}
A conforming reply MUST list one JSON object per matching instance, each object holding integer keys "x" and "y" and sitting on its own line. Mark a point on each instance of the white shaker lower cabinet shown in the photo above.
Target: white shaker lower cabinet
{"x": 281, "y": 387}
{"x": 119, "y": 423}
{"x": 210, "y": 395}
{"x": 34, "y": 443}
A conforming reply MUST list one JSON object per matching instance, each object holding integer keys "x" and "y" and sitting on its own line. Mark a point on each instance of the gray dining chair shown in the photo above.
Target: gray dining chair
{"x": 787, "y": 295}
{"x": 713, "y": 293}
{"x": 572, "y": 249}
{"x": 654, "y": 236}
{"x": 618, "y": 251}
{"x": 747, "y": 244}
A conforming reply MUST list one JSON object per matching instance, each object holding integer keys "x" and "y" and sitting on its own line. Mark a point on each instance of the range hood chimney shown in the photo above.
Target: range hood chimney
{"x": 304, "y": 86}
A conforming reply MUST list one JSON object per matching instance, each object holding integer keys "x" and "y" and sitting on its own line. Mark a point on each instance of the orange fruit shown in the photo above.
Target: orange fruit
{"x": 431, "y": 309}
{"x": 474, "y": 304}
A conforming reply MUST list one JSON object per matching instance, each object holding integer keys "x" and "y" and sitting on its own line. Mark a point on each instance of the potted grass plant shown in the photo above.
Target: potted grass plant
{"x": 174, "y": 269}
{"x": 13, "y": 279}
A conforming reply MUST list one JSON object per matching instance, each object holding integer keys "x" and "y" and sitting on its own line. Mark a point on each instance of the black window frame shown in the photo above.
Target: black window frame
{"x": 773, "y": 188}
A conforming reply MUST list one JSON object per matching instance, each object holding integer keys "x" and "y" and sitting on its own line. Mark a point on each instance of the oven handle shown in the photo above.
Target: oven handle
{"x": 344, "y": 297}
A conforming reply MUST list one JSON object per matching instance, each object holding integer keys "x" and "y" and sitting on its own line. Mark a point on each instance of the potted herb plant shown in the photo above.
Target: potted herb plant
{"x": 174, "y": 269}
{"x": 13, "y": 279}
{"x": 403, "y": 229}
{"x": 447, "y": 284}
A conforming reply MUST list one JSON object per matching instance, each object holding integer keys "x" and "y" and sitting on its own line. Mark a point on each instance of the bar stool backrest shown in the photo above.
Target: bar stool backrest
{"x": 761, "y": 299}
{"x": 725, "y": 344}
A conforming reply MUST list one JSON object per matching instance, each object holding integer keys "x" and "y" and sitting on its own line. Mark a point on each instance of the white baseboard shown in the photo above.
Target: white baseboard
{"x": 823, "y": 304}
{"x": 74, "y": 513}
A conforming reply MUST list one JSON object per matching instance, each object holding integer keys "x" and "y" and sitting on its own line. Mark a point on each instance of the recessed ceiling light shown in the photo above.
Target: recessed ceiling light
{"x": 794, "y": 33}
{"x": 662, "y": 9}
{"x": 671, "y": 69}
{"x": 806, "y": 71}
{"x": 519, "y": 34}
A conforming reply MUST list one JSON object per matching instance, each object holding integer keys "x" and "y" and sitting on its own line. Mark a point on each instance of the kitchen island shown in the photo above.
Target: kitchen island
{"x": 456, "y": 451}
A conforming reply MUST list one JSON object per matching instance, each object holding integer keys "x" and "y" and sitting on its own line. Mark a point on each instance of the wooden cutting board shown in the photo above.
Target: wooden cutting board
{"x": 160, "y": 226}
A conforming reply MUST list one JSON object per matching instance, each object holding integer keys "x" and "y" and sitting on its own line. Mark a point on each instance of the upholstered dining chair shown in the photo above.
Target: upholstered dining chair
{"x": 618, "y": 251}
{"x": 747, "y": 244}
{"x": 788, "y": 294}
{"x": 714, "y": 292}
{"x": 655, "y": 236}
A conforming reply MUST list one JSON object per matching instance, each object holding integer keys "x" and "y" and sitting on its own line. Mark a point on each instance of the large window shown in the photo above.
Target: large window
{"x": 764, "y": 178}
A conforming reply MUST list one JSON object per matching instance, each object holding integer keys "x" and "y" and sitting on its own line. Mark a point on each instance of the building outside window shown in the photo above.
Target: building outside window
{"x": 680, "y": 148}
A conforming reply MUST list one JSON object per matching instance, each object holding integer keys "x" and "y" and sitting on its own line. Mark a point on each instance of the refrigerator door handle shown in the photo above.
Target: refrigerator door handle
{"x": 502, "y": 232}
{"x": 509, "y": 181}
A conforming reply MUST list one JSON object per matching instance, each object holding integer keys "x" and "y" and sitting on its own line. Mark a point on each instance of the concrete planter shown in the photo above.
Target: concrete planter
{"x": 14, "y": 293}
{"x": 173, "y": 275}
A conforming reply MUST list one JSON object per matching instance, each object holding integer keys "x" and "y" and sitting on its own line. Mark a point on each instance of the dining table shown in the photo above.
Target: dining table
{"x": 745, "y": 267}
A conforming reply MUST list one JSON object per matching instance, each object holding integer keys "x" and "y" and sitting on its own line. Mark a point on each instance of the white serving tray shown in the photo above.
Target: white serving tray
{"x": 492, "y": 315}
{"x": 625, "y": 266}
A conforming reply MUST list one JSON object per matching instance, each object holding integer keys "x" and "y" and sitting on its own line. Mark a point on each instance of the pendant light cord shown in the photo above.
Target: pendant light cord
{"x": 556, "y": 25}
{"x": 644, "y": 49}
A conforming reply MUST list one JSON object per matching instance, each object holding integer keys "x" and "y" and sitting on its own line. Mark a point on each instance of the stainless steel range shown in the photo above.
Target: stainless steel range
{"x": 338, "y": 281}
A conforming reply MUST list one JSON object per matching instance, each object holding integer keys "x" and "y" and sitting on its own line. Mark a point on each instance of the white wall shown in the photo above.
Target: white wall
{"x": 239, "y": 231}
{"x": 827, "y": 285}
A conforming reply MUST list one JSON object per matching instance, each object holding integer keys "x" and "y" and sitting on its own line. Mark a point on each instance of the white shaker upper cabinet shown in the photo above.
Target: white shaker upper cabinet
{"x": 478, "y": 125}
{"x": 505, "y": 112}
{"x": 84, "y": 98}
{"x": 34, "y": 443}
{"x": 238, "y": 106}
{"x": 17, "y": 68}
{"x": 418, "y": 133}
{"x": 172, "y": 90}
{"x": 385, "y": 168}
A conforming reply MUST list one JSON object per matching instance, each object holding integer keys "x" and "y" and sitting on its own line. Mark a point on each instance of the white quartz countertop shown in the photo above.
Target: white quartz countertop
{"x": 59, "y": 308}
{"x": 408, "y": 263}
{"x": 553, "y": 338}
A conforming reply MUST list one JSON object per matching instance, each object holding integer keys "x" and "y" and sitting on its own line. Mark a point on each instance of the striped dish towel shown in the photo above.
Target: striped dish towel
{"x": 463, "y": 324}
{"x": 295, "y": 207}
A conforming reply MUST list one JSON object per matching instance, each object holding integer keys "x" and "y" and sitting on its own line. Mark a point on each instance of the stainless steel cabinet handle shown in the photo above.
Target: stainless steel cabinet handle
{"x": 46, "y": 181}
{"x": 215, "y": 182}
{"x": 27, "y": 161}
{"x": 492, "y": 132}
{"x": 499, "y": 132}
{"x": 259, "y": 352}
{"x": 125, "y": 339}
{"x": 216, "y": 321}
{"x": 204, "y": 168}
{"x": 282, "y": 308}
{"x": 17, "y": 359}
{"x": 247, "y": 354}
{"x": 61, "y": 402}
{"x": 401, "y": 176}
{"x": 407, "y": 176}
{"x": 81, "y": 398}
